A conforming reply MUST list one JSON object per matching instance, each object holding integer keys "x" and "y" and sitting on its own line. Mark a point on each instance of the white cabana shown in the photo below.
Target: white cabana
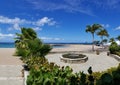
{"x": 118, "y": 42}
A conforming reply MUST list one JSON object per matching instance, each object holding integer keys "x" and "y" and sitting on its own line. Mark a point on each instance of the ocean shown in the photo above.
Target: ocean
{"x": 55, "y": 45}
{"x": 7, "y": 45}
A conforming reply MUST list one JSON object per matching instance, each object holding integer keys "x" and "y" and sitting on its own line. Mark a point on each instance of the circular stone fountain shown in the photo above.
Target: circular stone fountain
{"x": 73, "y": 58}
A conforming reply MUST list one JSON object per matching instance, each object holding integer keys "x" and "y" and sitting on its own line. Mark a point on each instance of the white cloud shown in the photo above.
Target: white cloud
{"x": 37, "y": 28}
{"x": 117, "y": 28}
{"x": 17, "y": 22}
{"x": 106, "y": 25}
{"x": 48, "y": 38}
{"x": 83, "y": 6}
{"x": 57, "y": 39}
{"x": 6, "y": 35}
{"x": 66, "y": 5}
{"x": 16, "y": 26}
{"x": 6, "y": 20}
{"x": 107, "y": 4}
{"x": 45, "y": 20}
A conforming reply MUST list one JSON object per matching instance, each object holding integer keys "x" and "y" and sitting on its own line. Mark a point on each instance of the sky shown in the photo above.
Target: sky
{"x": 58, "y": 20}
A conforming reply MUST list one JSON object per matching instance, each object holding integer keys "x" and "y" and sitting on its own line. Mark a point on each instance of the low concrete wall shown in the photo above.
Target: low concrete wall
{"x": 115, "y": 56}
{"x": 26, "y": 73}
{"x": 78, "y": 60}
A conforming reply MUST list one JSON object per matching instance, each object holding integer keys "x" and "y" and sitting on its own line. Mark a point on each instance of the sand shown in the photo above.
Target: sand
{"x": 80, "y": 48}
{"x": 7, "y": 58}
{"x": 10, "y": 68}
{"x": 98, "y": 62}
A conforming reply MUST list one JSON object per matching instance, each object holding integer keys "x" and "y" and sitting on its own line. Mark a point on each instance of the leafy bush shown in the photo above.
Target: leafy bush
{"x": 113, "y": 48}
{"x": 35, "y": 62}
{"x": 118, "y": 53}
{"x": 47, "y": 76}
{"x": 37, "y": 48}
{"x": 51, "y": 74}
{"x": 112, "y": 78}
{"x": 105, "y": 79}
{"x": 29, "y": 45}
{"x": 23, "y": 53}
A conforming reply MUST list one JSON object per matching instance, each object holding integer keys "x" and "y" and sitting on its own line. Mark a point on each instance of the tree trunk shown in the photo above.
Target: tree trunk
{"x": 93, "y": 43}
{"x": 102, "y": 41}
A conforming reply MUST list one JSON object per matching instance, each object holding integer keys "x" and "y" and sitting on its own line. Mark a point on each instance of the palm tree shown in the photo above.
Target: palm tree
{"x": 28, "y": 44}
{"x": 92, "y": 29}
{"x": 102, "y": 33}
{"x": 104, "y": 40}
{"x": 97, "y": 43}
{"x": 112, "y": 40}
{"x": 118, "y": 38}
{"x": 29, "y": 33}
{"x": 24, "y": 37}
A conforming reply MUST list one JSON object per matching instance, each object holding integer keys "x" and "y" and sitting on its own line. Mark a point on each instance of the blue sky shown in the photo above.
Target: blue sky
{"x": 58, "y": 20}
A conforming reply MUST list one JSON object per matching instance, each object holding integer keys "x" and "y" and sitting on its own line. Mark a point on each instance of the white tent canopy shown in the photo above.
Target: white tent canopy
{"x": 118, "y": 42}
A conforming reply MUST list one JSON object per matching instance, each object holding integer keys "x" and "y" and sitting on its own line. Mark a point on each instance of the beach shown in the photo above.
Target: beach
{"x": 75, "y": 47}
{"x": 100, "y": 62}
{"x": 10, "y": 68}
{"x": 7, "y": 57}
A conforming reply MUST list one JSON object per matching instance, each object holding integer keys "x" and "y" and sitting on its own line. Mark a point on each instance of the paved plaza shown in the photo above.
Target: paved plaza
{"x": 10, "y": 68}
{"x": 100, "y": 62}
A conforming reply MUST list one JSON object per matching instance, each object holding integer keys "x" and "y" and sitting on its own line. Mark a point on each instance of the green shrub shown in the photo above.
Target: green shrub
{"x": 105, "y": 79}
{"x": 29, "y": 45}
{"x": 110, "y": 77}
{"x": 35, "y": 62}
{"x": 113, "y": 48}
{"x": 116, "y": 76}
{"x": 118, "y": 53}
{"x": 46, "y": 76}
{"x": 51, "y": 74}
{"x": 22, "y": 52}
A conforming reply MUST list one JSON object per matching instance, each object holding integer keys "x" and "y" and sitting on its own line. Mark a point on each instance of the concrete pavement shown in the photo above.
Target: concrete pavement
{"x": 10, "y": 68}
{"x": 99, "y": 62}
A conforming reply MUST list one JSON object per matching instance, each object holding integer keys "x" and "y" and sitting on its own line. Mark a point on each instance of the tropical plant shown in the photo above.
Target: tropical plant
{"x": 92, "y": 29}
{"x": 118, "y": 38}
{"x": 102, "y": 33}
{"x": 35, "y": 62}
{"x": 112, "y": 78}
{"x": 22, "y": 39}
{"x": 37, "y": 48}
{"x": 26, "y": 34}
{"x": 112, "y": 40}
{"x": 97, "y": 43}
{"x": 51, "y": 74}
{"x": 27, "y": 44}
{"x": 113, "y": 48}
{"x": 105, "y": 41}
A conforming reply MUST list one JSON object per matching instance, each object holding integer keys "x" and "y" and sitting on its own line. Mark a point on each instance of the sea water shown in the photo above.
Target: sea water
{"x": 7, "y": 45}
{"x": 57, "y": 45}
{"x": 12, "y": 45}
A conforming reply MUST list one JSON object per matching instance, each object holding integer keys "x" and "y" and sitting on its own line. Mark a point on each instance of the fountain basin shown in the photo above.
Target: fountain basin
{"x": 73, "y": 58}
